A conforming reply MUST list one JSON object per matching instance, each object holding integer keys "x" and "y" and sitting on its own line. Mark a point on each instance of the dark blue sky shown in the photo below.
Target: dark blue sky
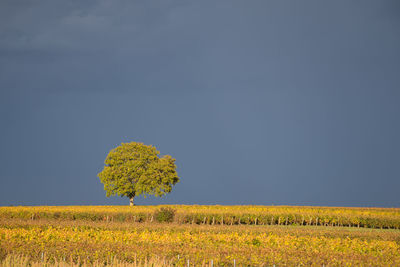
{"x": 261, "y": 102}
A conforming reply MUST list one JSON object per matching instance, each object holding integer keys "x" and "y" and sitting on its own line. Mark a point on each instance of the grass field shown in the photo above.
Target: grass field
{"x": 200, "y": 235}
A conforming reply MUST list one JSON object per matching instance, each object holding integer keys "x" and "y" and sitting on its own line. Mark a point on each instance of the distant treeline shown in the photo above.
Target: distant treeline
{"x": 385, "y": 218}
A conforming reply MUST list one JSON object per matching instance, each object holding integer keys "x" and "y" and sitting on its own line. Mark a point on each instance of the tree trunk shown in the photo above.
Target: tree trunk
{"x": 131, "y": 203}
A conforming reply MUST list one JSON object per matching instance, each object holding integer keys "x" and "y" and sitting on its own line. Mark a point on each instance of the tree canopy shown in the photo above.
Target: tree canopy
{"x": 134, "y": 169}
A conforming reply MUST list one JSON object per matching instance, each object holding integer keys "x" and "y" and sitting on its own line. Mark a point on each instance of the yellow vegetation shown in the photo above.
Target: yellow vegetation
{"x": 232, "y": 215}
{"x": 54, "y": 237}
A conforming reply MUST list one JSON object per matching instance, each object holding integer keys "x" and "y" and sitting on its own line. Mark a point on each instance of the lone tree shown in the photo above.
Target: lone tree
{"x": 134, "y": 169}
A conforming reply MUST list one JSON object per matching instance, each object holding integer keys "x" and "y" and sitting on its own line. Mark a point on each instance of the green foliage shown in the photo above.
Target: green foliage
{"x": 134, "y": 169}
{"x": 256, "y": 242}
{"x": 164, "y": 214}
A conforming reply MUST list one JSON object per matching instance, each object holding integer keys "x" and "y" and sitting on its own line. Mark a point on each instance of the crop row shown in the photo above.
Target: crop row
{"x": 232, "y": 215}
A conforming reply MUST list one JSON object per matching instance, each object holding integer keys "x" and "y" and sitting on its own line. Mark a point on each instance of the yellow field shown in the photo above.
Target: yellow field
{"x": 53, "y": 234}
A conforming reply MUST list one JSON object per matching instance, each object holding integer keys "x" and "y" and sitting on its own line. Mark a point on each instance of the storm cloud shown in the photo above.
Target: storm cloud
{"x": 260, "y": 102}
